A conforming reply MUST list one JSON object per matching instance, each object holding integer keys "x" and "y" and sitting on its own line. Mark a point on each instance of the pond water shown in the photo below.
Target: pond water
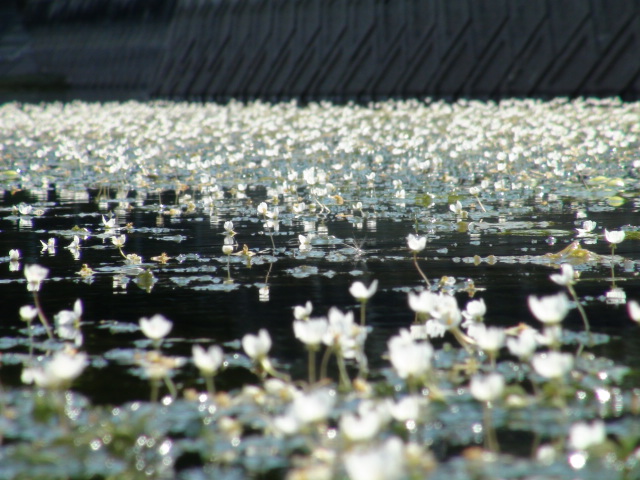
{"x": 499, "y": 191}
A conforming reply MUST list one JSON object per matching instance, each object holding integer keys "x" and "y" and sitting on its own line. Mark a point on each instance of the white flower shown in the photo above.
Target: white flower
{"x": 133, "y": 259}
{"x": 614, "y": 237}
{"x": 108, "y": 224}
{"x": 343, "y": 334}
{"x": 58, "y": 372}
{"x": 362, "y": 293}
{"x": 489, "y": 339}
{"x": 314, "y": 406}
{"x": 434, "y": 329}
{"x": 301, "y": 312}
{"x": 257, "y": 346}
{"x": 273, "y": 214}
{"x": 118, "y": 240}
{"x": 524, "y": 344}
{"x": 441, "y": 307}
{"x": 587, "y": 227}
{"x": 408, "y": 357}
{"x": 474, "y": 311}
{"x": 583, "y": 435}
{"x": 49, "y": 245}
{"x": 456, "y": 208}
{"x": 382, "y": 462}
{"x": 566, "y": 276}
{"x": 35, "y": 274}
{"x": 360, "y": 428}
{"x": 487, "y": 388}
{"x": 311, "y": 331}
{"x": 14, "y": 255}
{"x": 446, "y": 311}
{"x": 551, "y": 335}
{"x": 405, "y": 409}
{"x": 25, "y": 209}
{"x": 552, "y": 364}
{"x": 28, "y": 313}
{"x": 634, "y": 310}
{"x": 227, "y": 249}
{"x": 305, "y": 243}
{"x": 208, "y": 361}
{"x": 156, "y": 327}
{"x": 70, "y": 317}
{"x": 263, "y": 209}
{"x": 228, "y": 228}
{"x": 474, "y": 191}
{"x": 287, "y": 424}
{"x": 75, "y": 243}
{"x": 299, "y": 207}
{"x": 422, "y": 302}
{"x": 550, "y": 309}
{"x": 416, "y": 244}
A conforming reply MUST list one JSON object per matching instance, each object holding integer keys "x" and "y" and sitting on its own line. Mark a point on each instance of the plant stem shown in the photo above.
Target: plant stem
{"x": 30, "y": 341}
{"x": 41, "y": 315}
{"x": 415, "y": 262}
{"x": 268, "y": 368}
{"x": 613, "y": 278}
{"x": 345, "y": 382}
{"x": 155, "y": 387}
{"x": 325, "y": 363}
{"x": 211, "y": 389}
{"x": 583, "y": 314}
{"x": 173, "y": 391}
{"x": 465, "y": 341}
{"x": 312, "y": 365}
{"x": 363, "y": 315}
{"x": 491, "y": 441}
{"x": 273, "y": 244}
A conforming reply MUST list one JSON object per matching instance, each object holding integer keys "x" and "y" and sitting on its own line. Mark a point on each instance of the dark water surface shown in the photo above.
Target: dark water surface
{"x": 189, "y": 289}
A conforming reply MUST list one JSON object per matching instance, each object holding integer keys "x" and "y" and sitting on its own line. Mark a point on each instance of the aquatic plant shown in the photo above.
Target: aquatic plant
{"x": 339, "y": 187}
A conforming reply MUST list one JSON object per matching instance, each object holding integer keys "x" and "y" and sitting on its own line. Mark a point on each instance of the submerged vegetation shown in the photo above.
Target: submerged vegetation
{"x": 393, "y": 348}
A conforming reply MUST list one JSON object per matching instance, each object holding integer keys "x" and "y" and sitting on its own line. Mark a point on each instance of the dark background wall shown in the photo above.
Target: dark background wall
{"x": 319, "y": 49}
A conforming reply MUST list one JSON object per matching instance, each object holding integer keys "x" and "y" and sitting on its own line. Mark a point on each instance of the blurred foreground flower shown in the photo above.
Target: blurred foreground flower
{"x": 566, "y": 276}
{"x": 208, "y": 361}
{"x": 362, "y": 293}
{"x": 552, "y": 364}
{"x": 550, "y": 309}
{"x": 35, "y": 274}
{"x": 381, "y": 462}
{"x": 487, "y": 388}
{"x": 58, "y": 372}
{"x": 583, "y": 435}
{"x": 257, "y": 346}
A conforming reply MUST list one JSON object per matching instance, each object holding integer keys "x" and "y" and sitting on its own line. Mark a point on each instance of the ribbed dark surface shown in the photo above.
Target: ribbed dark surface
{"x": 312, "y": 49}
